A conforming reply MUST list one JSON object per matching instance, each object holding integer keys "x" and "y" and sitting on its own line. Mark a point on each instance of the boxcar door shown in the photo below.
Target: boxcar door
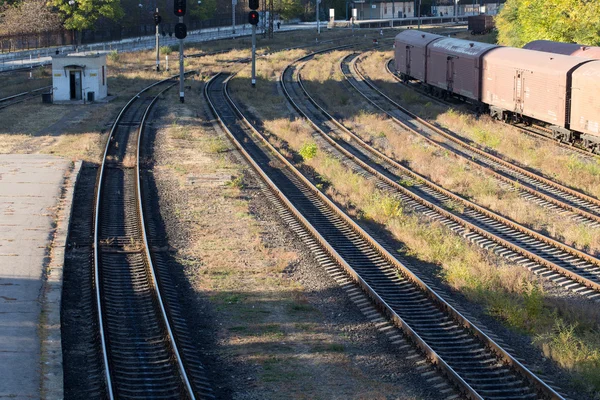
{"x": 408, "y": 60}
{"x": 519, "y": 92}
{"x": 450, "y": 73}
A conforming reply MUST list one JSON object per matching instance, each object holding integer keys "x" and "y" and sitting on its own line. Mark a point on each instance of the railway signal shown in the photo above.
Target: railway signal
{"x": 157, "y": 18}
{"x": 253, "y": 18}
{"x": 179, "y": 7}
{"x": 180, "y": 31}
{"x": 253, "y": 4}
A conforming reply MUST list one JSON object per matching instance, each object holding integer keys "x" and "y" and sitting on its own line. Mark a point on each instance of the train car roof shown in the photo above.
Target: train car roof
{"x": 417, "y": 38}
{"x": 570, "y": 49}
{"x": 533, "y": 60}
{"x": 590, "y": 69}
{"x": 460, "y": 46}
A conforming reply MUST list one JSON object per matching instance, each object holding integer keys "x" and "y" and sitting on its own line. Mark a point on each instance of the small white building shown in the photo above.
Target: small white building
{"x": 79, "y": 76}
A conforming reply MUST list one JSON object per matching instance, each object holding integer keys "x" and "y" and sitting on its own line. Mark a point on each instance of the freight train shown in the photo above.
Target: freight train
{"x": 559, "y": 92}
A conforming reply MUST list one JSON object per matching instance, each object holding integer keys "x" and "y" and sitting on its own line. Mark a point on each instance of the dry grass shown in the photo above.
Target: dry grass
{"x": 560, "y": 164}
{"x": 21, "y": 81}
{"x": 266, "y": 324}
{"x": 451, "y": 172}
{"x": 509, "y": 292}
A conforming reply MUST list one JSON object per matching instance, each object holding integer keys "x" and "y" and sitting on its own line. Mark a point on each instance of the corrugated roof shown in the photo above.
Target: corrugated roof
{"x": 570, "y": 49}
{"x": 459, "y": 46}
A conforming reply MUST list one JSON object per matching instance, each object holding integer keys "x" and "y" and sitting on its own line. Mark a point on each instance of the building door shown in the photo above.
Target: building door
{"x": 75, "y": 85}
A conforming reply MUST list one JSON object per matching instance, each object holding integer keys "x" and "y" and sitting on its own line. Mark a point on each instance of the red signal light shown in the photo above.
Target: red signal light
{"x": 253, "y": 18}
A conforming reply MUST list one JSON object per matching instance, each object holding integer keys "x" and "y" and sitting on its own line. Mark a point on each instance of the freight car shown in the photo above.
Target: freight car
{"x": 568, "y": 49}
{"x": 480, "y": 24}
{"x": 514, "y": 85}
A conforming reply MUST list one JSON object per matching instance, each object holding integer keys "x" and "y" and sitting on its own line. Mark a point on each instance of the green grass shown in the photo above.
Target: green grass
{"x": 308, "y": 151}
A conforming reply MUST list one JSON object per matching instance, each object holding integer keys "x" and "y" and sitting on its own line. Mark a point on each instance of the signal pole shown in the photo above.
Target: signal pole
{"x": 253, "y": 55}
{"x": 180, "y": 33}
{"x": 233, "y": 4}
{"x": 318, "y": 24}
{"x": 181, "y": 92}
{"x": 253, "y": 19}
{"x": 157, "y": 19}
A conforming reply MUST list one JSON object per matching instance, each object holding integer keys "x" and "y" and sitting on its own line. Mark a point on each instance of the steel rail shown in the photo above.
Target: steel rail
{"x": 534, "y": 131}
{"x": 563, "y": 271}
{"x": 101, "y": 328}
{"x": 589, "y": 283}
{"x": 542, "y": 386}
{"x": 172, "y": 341}
{"x": 4, "y": 104}
{"x": 511, "y": 166}
{"x": 595, "y": 218}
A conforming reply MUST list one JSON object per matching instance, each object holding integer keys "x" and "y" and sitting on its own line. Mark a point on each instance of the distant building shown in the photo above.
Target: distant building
{"x": 380, "y": 9}
{"x": 79, "y": 76}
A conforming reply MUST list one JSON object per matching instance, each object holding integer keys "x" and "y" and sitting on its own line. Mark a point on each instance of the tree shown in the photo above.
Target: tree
{"x": 83, "y": 14}
{"x": 30, "y": 16}
{"x": 522, "y": 21}
{"x": 203, "y": 11}
{"x": 288, "y": 9}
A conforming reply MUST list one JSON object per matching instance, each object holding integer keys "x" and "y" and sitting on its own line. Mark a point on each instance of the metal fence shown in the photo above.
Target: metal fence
{"x": 58, "y": 38}
{"x": 38, "y": 57}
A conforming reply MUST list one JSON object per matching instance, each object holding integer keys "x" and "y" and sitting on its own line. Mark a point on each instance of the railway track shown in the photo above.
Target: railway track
{"x": 538, "y": 132}
{"x": 587, "y": 207}
{"x": 139, "y": 326}
{"x": 21, "y": 97}
{"x": 564, "y": 265}
{"x": 467, "y": 356}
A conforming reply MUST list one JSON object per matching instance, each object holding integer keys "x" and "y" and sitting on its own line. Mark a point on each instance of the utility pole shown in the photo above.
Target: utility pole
{"x": 419, "y": 11}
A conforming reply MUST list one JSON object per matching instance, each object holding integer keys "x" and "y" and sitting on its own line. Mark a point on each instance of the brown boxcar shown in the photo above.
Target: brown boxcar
{"x": 479, "y": 24}
{"x": 569, "y": 49}
{"x": 530, "y": 83}
{"x": 585, "y": 102}
{"x": 410, "y": 53}
{"x": 454, "y": 65}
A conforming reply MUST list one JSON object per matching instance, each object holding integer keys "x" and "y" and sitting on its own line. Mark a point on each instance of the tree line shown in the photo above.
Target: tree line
{"x": 572, "y": 21}
{"x": 36, "y": 16}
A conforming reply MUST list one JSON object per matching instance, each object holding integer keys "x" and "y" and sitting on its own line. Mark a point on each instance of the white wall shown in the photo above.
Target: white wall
{"x": 91, "y": 76}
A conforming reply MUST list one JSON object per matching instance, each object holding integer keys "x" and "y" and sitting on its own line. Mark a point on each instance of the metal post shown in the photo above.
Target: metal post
{"x": 393, "y": 11}
{"x": 233, "y": 4}
{"x": 456, "y": 11}
{"x": 181, "y": 93}
{"x": 419, "y": 11}
{"x": 157, "y": 46}
{"x": 253, "y": 55}
{"x": 167, "y": 62}
{"x": 317, "y": 10}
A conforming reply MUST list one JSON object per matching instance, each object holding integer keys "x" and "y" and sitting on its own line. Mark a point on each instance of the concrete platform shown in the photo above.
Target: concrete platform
{"x": 32, "y": 212}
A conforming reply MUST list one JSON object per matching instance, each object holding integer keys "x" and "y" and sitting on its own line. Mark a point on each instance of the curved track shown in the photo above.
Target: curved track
{"x": 566, "y": 266}
{"x": 473, "y": 361}
{"x": 539, "y": 253}
{"x": 575, "y": 201}
{"x": 21, "y": 97}
{"x": 538, "y": 132}
{"x": 141, "y": 356}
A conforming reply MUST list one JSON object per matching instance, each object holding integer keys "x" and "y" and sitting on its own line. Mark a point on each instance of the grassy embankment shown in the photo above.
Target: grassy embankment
{"x": 566, "y": 332}
{"x": 451, "y": 172}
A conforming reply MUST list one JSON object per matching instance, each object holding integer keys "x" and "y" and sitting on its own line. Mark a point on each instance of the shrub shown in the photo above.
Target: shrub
{"x": 308, "y": 151}
{"x": 114, "y": 56}
{"x": 165, "y": 50}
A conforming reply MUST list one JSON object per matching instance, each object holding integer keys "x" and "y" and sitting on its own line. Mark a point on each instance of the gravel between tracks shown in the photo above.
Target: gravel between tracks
{"x": 304, "y": 338}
